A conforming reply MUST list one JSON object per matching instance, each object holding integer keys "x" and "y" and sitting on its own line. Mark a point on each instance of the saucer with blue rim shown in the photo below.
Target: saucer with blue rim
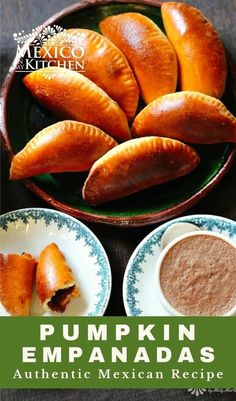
{"x": 140, "y": 294}
{"x": 30, "y": 230}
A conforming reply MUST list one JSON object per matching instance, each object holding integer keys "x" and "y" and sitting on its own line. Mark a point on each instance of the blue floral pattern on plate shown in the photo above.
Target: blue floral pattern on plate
{"x": 142, "y": 301}
{"x": 81, "y": 232}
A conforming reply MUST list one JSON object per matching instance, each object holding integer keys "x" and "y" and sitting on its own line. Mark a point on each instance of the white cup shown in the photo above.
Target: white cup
{"x": 163, "y": 299}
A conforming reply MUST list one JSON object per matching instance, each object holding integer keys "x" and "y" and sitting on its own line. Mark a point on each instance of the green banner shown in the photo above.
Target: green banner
{"x": 118, "y": 352}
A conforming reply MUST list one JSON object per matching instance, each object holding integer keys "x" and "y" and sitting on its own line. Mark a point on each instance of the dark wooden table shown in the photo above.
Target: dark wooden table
{"x": 119, "y": 243}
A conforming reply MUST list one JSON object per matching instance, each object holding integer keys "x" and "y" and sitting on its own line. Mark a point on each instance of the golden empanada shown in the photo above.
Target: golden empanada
{"x": 55, "y": 283}
{"x": 70, "y": 95}
{"x": 16, "y": 282}
{"x": 187, "y": 116}
{"x": 148, "y": 51}
{"x": 64, "y": 146}
{"x": 201, "y": 55}
{"x": 103, "y": 62}
{"x": 135, "y": 165}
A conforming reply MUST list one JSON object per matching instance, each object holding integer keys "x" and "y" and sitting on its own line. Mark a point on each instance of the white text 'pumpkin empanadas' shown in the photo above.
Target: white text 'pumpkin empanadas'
{"x": 187, "y": 116}
{"x": 103, "y": 62}
{"x": 64, "y": 146}
{"x": 55, "y": 283}
{"x": 16, "y": 282}
{"x": 149, "y": 52}
{"x": 70, "y": 95}
{"x": 135, "y": 165}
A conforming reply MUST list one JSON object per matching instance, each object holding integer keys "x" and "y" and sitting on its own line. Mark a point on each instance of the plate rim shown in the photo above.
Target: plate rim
{"x": 122, "y": 221}
{"x": 148, "y": 236}
{"x": 80, "y": 224}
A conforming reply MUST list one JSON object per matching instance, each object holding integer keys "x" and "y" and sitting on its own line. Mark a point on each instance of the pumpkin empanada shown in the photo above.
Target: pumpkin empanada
{"x": 187, "y": 116}
{"x": 148, "y": 51}
{"x": 64, "y": 146}
{"x": 104, "y": 64}
{"x": 16, "y": 282}
{"x": 135, "y": 165}
{"x": 69, "y": 94}
{"x": 55, "y": 283}
{"x": 200, "y": 53}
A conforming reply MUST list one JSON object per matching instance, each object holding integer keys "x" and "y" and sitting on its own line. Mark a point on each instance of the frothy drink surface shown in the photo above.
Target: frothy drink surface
{"x": 198, "y": 276}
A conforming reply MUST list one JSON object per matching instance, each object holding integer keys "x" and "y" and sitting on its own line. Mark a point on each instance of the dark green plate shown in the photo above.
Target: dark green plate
{"x": 23, "y": 117}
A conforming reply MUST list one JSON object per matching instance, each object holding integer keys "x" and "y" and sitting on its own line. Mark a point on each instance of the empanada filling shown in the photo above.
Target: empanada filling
{"x": 60, "y": 299}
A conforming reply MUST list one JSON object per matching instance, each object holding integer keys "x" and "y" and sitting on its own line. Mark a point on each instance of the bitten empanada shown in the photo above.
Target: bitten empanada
{"x": 104, "y": 64}
{"x": 70, "y": 95}
{"x": 55, "y": 283}
{"x": 16, "y": 282}
{"x": 135, "y": 165}
{"x": 64, "y": 146}
{"x": 148, "y": 51}
{"x": 187, "y": 116}
{"x": 200, "y": 53}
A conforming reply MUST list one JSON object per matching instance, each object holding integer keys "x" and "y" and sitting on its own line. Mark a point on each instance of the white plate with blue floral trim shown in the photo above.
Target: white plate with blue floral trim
{"x": 139, "y": 291}
{"x": 30, "y": 230}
